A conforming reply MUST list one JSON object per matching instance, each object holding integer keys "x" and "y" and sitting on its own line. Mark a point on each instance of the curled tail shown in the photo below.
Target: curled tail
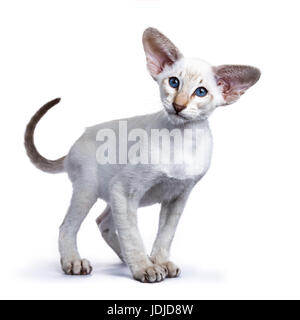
{"x": 51, "y": 166}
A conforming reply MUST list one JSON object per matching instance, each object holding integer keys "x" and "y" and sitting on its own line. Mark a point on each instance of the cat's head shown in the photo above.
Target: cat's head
{"x": 191, "y": 89}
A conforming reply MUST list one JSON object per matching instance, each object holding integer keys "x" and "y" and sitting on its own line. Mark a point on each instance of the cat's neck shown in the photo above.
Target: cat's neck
{"x": 181, "y": 124}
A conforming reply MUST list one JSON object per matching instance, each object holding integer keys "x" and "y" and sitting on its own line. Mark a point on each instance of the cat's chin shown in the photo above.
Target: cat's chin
{"x": 176, "y": 119}
{"x": 179, "y": 119}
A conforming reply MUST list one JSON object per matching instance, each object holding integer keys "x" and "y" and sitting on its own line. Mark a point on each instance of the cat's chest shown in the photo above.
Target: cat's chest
{"x": 188, "y": 157}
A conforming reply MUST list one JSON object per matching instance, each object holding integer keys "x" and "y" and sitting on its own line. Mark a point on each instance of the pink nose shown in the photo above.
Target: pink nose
{"x": 178, "y": 107}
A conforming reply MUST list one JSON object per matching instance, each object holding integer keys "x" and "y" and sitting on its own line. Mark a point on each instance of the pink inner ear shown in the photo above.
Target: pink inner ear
{"x": 159, "y": 50}
{"x": 153, "y": 65}
{"x": 156, "y": 61}
{"x": 225, "y": 85}
{"x": 235, "y": 80}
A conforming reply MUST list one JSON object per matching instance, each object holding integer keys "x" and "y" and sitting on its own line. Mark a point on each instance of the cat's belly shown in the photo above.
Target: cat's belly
{"x": 165, "y": 190}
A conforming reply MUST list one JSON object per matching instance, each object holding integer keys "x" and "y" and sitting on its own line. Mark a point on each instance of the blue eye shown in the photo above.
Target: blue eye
{"x": 174, "y": 82}
{"x": 201, "y": 92}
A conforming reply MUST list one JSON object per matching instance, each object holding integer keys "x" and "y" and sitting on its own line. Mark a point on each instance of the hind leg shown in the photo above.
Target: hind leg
{"x": 108, "y": 230}
{"x": 83, "y": 199}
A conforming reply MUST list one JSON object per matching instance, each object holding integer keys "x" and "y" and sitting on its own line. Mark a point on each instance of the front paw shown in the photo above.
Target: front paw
{"x": 76, "y": 266}
{"x": 172, "y": 270}
{"x": 151, "y": 274}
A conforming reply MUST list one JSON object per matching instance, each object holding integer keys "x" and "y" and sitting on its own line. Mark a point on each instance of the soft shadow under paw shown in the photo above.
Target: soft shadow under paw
{"x": 116, "y": 270}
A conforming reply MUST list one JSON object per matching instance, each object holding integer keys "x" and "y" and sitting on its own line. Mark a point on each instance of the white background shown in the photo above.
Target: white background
{"x": 239, "y": 236}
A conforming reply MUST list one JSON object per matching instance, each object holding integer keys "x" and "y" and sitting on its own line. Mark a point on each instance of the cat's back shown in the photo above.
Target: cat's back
{"x": 83, "y": 153}
{"x": 136, "y": 122}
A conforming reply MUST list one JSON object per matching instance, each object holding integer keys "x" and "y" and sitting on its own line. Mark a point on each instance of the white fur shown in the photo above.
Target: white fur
{"x": 126, "y": 187}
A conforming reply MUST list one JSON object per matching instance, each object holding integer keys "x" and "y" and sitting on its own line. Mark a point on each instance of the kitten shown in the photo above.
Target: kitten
{"x": 190, "y": 90}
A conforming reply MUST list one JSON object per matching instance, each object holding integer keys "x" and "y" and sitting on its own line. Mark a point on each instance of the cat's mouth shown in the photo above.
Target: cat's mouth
{"x": 174, "y": 115}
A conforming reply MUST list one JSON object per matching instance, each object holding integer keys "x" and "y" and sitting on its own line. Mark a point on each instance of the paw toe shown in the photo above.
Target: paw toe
{"x": 173, "y": 270}
{"x": 86, "y": 267}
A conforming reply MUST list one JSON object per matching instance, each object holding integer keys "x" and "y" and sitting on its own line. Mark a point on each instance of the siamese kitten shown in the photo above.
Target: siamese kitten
{"x": 190, "y": 91}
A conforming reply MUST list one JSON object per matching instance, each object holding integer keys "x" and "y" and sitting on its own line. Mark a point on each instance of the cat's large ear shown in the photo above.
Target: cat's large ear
{"x": 234, "y": 80}
{"x": 159, "y": 50}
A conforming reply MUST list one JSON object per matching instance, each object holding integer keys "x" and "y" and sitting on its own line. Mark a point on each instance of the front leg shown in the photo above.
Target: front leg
{"x": 124, "y": 210}
{"x": 169, "y": 217}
